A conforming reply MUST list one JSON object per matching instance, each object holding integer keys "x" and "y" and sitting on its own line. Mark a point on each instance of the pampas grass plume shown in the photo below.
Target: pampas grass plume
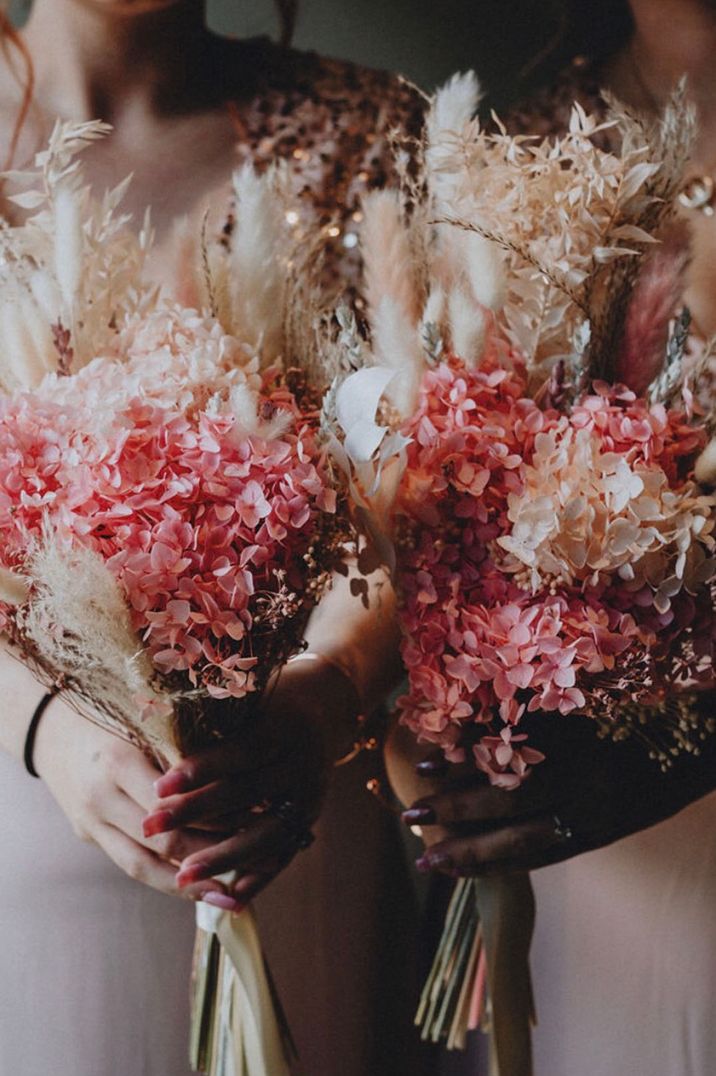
{"x": 387, "y": 255}
{"x": 68, "y": 250}
{"x": 467, "y": 327}
{"x": 257, "y": 273}
{"x": 646, "y": 331}
{"x": 454, "y": 105}
{"x": 96, "y": 647}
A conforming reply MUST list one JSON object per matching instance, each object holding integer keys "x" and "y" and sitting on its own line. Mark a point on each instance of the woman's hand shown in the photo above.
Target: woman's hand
{"x": 104, "y": 786}
{"x": 587, "y": 794}
{"x": 286, "y": 758}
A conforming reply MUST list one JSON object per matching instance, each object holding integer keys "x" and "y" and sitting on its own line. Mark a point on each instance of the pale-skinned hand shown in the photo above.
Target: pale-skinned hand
{"x": 104, "y": 786}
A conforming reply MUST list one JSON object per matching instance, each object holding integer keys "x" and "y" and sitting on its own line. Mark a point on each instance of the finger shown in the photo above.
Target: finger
{"x": 136, "y": 777}
{"x": 222, "y": 799}
{"x": 473, "y": 804}
{"x": 264, "y": 841}
{"x": 249, "y": 887}
{"x": 137, "y": 862}
{"x": 435, "y": 766}
{"x": 125, "y": 815}
{"x": 508, "y": 848}
{"x": 228, "y": 759}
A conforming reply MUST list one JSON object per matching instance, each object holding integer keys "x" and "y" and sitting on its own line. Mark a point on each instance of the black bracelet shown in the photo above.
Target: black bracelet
{"x": 32, "y": 731}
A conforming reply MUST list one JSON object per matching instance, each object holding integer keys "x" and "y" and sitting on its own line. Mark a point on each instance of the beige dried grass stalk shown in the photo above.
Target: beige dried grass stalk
{"x": 73, "y": 263}
{"x": 571, "y": 219}
{"x": 77, "y": 628}
{"x": 257, "y": 269}
{"x": 392, "y": 295}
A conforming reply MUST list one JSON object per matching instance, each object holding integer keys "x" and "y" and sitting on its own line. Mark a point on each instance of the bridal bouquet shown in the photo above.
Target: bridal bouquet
{"x": 521, "y": 437}
{"x": 167, "y": 513}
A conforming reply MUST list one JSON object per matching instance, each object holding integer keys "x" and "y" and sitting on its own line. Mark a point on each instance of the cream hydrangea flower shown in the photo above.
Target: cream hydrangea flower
{"x": 585, "y": 514}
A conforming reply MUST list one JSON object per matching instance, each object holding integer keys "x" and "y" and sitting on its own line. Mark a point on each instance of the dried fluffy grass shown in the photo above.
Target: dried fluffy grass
{"x": 78, "y": 627}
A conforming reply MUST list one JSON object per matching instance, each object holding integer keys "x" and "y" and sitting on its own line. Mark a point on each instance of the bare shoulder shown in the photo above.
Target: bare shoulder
{"x": 12, "y": 83}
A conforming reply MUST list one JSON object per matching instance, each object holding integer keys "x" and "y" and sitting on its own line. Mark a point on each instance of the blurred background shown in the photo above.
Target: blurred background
{"x": 426, "y": 40}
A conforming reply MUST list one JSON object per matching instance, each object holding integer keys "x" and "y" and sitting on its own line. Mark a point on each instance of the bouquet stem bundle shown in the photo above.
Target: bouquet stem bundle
{"x": 168, "y": 517}
{"x": 453, "y": 998}
{"x": 238, "y": 1027}
{"x": 480, "y": 976}
{"x": 522, "y": 436}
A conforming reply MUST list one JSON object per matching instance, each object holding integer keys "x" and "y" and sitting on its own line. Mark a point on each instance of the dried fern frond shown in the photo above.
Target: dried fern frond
{"x": 572, "y": 219}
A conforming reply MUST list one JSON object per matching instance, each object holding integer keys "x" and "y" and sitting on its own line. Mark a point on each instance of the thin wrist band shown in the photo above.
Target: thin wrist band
{"x": 32, "y": 731}
{"x": 362, "y": 739}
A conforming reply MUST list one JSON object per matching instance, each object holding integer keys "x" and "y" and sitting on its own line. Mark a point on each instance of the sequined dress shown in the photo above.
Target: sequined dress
{"x": 95, "y": 966}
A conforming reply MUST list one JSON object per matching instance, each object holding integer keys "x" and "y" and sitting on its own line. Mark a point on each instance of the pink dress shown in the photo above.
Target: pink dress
{"x": 94, "y": 967}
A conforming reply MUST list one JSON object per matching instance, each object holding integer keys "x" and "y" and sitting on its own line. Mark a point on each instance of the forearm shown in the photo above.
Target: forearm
{"x": 360, "y": 634}
{"x": 21, "y": 693}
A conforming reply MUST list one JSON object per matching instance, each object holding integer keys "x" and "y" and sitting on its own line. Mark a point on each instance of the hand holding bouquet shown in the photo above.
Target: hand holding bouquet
{"x": 167, "y": 511}
{"x": 532, "y": 473}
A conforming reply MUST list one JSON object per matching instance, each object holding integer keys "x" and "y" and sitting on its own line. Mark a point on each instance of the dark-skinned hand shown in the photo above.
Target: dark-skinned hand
{"x": 588, "y": 793}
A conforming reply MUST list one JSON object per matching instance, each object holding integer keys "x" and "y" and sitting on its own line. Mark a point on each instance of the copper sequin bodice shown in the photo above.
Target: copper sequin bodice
{"x": 332, "y": 122}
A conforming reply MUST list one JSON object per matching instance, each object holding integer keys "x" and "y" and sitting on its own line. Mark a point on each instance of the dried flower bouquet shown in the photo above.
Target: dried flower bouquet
{"x": 522, "y": 435}
{"x": 168, "y": 515}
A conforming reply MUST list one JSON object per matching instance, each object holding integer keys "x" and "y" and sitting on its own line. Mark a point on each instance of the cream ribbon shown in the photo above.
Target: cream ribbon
{"x": 250, "y": 1041}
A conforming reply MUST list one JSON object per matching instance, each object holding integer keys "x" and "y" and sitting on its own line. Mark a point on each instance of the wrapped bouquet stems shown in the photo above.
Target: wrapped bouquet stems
{"x": 480, "y": 977}
{"x": 168, "y": 515}
{"x": 523, "y": 436}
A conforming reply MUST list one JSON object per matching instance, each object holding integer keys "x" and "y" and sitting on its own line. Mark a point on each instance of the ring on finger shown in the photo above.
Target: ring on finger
{"x": 562, "y": 831}
{"x": 293, "y": 820}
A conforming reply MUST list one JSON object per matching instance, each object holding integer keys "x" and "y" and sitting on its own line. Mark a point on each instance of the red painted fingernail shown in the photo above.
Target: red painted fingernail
{"x": 171, "y": 783}
{"x": 197, "y": 872}
{"x": 159, "y": 822}
{"x": 223, "y": 901}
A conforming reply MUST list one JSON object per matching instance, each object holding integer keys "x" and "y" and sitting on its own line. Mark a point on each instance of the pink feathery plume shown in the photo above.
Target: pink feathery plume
{"x": 653, "y": 302}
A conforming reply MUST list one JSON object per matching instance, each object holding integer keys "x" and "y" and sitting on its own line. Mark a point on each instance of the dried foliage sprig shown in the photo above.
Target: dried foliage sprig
{"x": 74, "y": 262}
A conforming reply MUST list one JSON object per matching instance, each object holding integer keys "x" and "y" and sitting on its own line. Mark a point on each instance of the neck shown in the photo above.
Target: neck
{"x": 673, "y": 38}
{"x": 99, "y": 61}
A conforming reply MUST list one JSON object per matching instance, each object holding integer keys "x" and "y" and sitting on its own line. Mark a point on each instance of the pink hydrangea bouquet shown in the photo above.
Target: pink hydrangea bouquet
{"x": 522, "y": 439}
{"x": 168, "y": 517}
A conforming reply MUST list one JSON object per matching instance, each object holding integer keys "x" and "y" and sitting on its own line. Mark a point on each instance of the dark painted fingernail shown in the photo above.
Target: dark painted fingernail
{"x": 159, "y": 822}
{"x": 431, "y": 767}
{"x": 419, "y": 816}
{"x": 172, "y": 783}
{"x": 223, "y": 901}
{"x": 197, "y": 872}
{"x": 434, "y": 861}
